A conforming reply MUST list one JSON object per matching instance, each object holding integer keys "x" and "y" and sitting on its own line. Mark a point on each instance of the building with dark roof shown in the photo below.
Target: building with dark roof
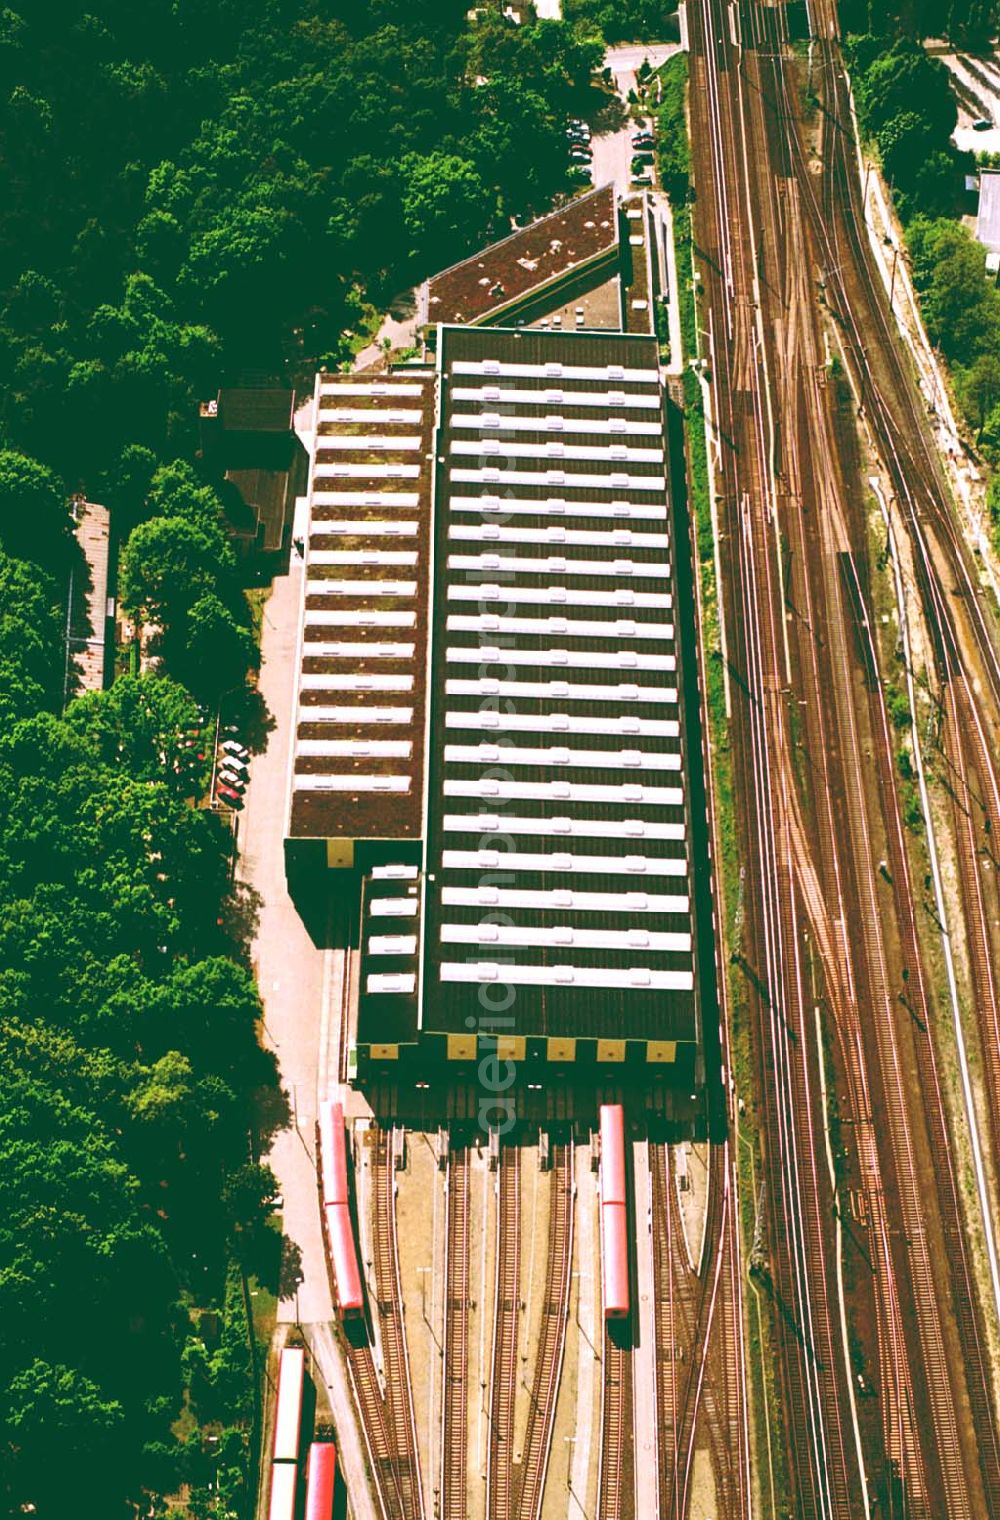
{"x": 356, "y": 768}
{"x": 497, "y": 739}
{"x": 568, "y": 250}
{"x": 248, "y": 436}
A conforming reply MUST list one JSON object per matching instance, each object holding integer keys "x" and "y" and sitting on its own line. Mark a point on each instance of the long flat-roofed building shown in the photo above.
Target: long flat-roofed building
{"x": 556, "y": 862}
{"x": 533, "y": 882}
{"x": 356, "y": 770}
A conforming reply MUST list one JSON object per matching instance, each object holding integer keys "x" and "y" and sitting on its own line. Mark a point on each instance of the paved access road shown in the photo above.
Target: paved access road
{"x": 300, "y": 985}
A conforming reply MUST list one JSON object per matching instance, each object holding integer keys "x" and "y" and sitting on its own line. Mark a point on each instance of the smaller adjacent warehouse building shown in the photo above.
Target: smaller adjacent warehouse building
{"x": 491, "y": 728}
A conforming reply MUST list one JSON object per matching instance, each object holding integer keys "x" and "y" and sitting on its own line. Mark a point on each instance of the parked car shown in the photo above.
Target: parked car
{"x": 230, "y": 797}
{"x": 641, "y": 158}
{"x": 982, "y": 124}
{"x": 643, "y": 140}
{"x": 234, "y": 747}
{"x": 234, "y": 763}
{"x": 229, "y": 779}
{"x": 579, "y": 174}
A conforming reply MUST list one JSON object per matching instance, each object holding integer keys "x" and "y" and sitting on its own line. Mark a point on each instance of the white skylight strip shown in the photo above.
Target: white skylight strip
{"x": 313, "y": 782}
{"x": 491, "y": 720}
{"x": 562, "y": 758}
{"x": 581, "y": 939}
{"x": 362, "y": 619}
{"x": 560, "y": 827}
{"x": 395, "y": 944}
{"x": 620, "y": 538}
{"x": 503, "y": 449}
{"x": 572, "y": 659}
{"x": 362, "y": 557}
{"x": 499, "y": 508}
{"x": 513, "y": 423}
{"x": 558, "y": 595}
{"x": 359, "y": 499}
{"x": 324, "y": 649}
{"x": 367, "y": 588}
{"x": 393, "y": 907}
{"x": 563, "y": 898}
{"x": 326, "y": 682}
{"x": 394, "y": 872}
{"x": 572, "y": 628}
{"x": 391, "y": 981}
{"x": 560, "y": 691}
{"x": 496, "y": 476}
{"x": 580, "y": 865}
{"x": 369, "y": 414}
{"x": 615, "y": 374}
{"x": 359, "y": 528}
{"x": 630, "y": 794}
{"x": 361, "y": 715}
{"x": 569, "y": 976}
{"x": 368, "y": 388}
{"x": 404, "y": 444}
{"x": 387, "y": 471}
{"x": 367, "y": 749}
{"x": 554, "y": 564}
{"x": 553, "y": 396}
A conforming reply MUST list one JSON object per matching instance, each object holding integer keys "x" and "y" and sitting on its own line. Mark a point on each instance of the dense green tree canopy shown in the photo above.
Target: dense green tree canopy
{"x": 190, "y": 188}
{"x": 188, "y": 192}
{"x": 969, "y": 23}
{"x": 35, "y": 522}
{"x": 626, "y": 20}
{"x": 905, "y": 103}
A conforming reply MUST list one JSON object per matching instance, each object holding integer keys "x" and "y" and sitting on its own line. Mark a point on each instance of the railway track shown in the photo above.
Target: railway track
{"x": 797, "y": 1280}
{"x": 972, "y": 841}
{"x": 399, "y": 1417}
{"x": 454, "y": 1412}
{"x": 552, "y": 1340}
{"x": 680, "y": 1345}
{"x": 698, "y": 1379}
{"x": 615, "y": 1492}
{"x": 889, "y": 396}
{"x": 500, "y": 1477}
{"x": 371, "y": 1410}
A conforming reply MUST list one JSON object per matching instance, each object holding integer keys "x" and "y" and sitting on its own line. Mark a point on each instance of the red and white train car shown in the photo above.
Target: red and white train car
{"x": 287, "y": 1433}
{"x": 283, "y": 1491}
{"x": 321, "y": 1480}
{"x": 288, "y": 1407}
{"x": 335, "y": 1200}
{"x": 614, "y": 1213}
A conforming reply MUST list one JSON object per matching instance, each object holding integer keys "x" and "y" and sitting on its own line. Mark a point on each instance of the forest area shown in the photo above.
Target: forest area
{"x": 190, "y": 193}
{"x": 908, "y": 110}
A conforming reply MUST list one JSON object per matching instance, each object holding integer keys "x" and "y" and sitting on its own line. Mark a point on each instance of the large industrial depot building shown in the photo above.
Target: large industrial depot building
{"x": 497, "y": 731}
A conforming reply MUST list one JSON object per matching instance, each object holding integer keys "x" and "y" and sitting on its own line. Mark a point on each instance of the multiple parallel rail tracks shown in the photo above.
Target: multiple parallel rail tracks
{"x": 454, "y": 1413}
{"x": 698, "y": 1378}
{"x": 500, "y": 1476}
{"x": 615, "y": 1487}
{"x": 794, "y": 548}
{"x": 387, "y": 1418}
{"x": 552, "y": 1340}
